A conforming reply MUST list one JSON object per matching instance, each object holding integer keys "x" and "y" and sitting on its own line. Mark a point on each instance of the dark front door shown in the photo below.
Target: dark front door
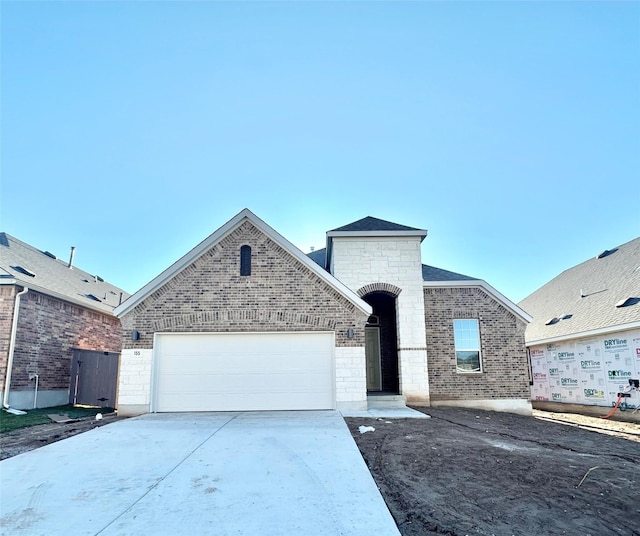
{"x": 372, "y": 352}
{"x": 384, "y": 313}
{"x": 93, "y": 378}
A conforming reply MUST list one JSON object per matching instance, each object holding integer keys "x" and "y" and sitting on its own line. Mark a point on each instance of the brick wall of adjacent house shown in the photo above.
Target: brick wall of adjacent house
{"x": 48, "y": 329}
{"x": 7, "y": 299}
{"x": 281, "y": 294}
{"x": 504, "y": 361}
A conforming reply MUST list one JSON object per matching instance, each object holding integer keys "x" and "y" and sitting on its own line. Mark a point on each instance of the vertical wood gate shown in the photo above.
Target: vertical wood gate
{"x": 94, "y": 377}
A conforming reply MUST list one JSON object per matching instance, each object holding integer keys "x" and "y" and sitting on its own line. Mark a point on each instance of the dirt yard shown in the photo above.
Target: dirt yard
{"x": 466, "y": 472}
{"x": 26, "y": 439}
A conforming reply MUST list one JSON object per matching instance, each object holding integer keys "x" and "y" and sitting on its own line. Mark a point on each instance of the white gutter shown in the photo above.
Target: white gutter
{"x": 370, "y": 234}
{"x": 12, "y": 344}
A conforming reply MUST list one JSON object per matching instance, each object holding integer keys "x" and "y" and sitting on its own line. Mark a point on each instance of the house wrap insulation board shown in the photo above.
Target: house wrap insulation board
{"x": 589, "y": 371}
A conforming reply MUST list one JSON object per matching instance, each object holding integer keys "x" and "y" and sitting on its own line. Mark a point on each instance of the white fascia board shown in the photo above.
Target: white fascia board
{"x": 59, "y": 296}
{"x": 422, "y": 233}
{"x": 583, "y": 334}
{"x": 479, "y": 283}
{"x": 218, "y": 235}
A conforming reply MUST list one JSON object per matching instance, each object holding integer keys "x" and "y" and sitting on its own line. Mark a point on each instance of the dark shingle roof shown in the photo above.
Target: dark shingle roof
{"x": 374, "y": 224}
{"x": 431, "y": 273}
{"x": 319, "y": 256}
{"x": 18, "y": 260}
{"x": 589, "y": 293}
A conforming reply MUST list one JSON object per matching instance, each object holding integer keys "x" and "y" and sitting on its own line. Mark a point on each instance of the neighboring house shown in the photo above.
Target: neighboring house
{"x": 246, "y": 321}
{"x": 50, "y": 311}
{"x": 584, "y": 340}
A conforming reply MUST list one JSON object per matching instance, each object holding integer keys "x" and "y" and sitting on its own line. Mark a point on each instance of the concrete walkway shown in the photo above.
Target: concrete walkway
{"x": 262, "y": 473}
{"x": 383, "y": 412}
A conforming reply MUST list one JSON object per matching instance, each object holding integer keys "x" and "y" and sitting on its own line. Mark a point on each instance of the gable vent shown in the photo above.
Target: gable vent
{"x": 627, "y": 302}
{"x": 606, "y": 253}
{"x": 24, "y": 271}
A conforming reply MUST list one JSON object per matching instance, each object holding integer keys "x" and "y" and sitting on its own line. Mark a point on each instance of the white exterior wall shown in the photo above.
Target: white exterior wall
{"x": 351, "y": 381}
{"x": 359, "y": 261}
{"x": 134, "y": 382}
{"x": 590, "y": 371}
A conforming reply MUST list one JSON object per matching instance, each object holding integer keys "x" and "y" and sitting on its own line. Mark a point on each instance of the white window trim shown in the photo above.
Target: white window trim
{"x": 456, "y": 349}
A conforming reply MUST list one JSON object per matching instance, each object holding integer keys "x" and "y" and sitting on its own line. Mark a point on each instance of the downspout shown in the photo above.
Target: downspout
{"x": 12, "y": 344}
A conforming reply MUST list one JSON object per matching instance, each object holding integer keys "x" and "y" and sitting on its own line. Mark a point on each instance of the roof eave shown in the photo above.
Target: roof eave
{"x": 583, "y": 334}
{"x": 480, "y": 283}
{"x": 422, "y": 233}
{"x": 218, "y": 235}
{"x": 59, "y": 296}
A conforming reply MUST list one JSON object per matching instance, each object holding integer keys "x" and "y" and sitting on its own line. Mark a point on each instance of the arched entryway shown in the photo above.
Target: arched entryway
{"x": 381, "y": 343}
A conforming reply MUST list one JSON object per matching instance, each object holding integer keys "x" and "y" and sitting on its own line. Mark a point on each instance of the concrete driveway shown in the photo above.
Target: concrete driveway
{"x": 250, "y": 473}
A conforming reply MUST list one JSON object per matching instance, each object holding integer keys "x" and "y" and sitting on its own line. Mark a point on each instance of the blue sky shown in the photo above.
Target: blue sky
{"x": 509, "y": 130}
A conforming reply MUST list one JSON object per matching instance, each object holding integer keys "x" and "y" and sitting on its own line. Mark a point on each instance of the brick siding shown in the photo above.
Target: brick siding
{"x": 48, "y": 329}
{"x": 504, "y": 360}
{"x": 210, "y": 295}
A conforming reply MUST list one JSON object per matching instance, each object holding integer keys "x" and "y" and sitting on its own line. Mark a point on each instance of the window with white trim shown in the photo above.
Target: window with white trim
{"x": 466, "y": 333}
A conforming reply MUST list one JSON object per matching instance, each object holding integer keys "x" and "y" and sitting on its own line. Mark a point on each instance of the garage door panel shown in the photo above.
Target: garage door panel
{"x": 258, "y": 364}
{"x": 245, "y": 402}
{"x": 241, "y": 372}
{"x": 217, "y": 383}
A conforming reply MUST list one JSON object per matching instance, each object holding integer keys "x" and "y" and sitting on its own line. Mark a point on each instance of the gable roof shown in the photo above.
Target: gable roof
{"x": 431, "y": 273}
{"x": 218, "y": 235}
{"x": 437, "y": 277}
{"x": 588, "y": 293}
{"x": 24, "y": 265}
{"x": 319, "y": 256}
{"x": 373, "y": 224}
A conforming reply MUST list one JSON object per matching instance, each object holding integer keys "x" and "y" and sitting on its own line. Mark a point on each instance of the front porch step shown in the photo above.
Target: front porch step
{"x": 385, "y": 401}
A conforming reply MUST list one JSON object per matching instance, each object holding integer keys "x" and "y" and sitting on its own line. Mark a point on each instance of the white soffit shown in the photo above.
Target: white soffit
{"x": 218, "y": 235}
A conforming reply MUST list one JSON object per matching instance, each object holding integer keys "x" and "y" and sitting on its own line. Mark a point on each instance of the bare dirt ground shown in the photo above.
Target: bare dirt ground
{"x": 467, "y": 472}
{"x": 26, "y": 439}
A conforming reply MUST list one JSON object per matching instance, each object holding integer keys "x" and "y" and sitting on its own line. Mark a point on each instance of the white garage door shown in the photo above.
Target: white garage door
{"x": 243, "y": 371}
